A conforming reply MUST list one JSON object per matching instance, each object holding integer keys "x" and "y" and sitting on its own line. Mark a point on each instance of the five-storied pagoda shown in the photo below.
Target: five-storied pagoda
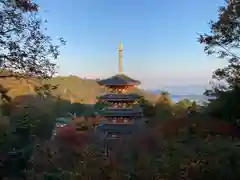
{"x": 121, "y": 116}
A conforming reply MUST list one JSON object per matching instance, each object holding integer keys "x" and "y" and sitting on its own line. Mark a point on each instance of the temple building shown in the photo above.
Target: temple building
{"x": 121, "y": 116}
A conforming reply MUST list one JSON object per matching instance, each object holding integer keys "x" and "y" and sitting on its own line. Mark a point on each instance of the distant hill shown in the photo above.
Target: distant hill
{"x": 71, "y": 88}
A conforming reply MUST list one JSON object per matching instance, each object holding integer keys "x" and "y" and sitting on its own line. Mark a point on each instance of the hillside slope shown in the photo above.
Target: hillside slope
{"x": 86, "y": 90}
{"x": 70, "y": 88}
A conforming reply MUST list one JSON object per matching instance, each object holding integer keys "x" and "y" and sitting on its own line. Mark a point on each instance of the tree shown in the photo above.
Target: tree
{"x": 224, "y": 41}
{"x": 184, "y": 103}
{"x": 164, "y": 106}
{"x": 147, "y": 107}
{"x": 101, "y": 105}
{"x": 181, "y": 107}
{"x": 164, "y": 98}
{"x": 25, "y": 49}
{"x": 26, "y": 52}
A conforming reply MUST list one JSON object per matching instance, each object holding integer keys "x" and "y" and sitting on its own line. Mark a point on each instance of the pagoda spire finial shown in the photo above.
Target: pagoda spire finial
{"x": 120, "y": 51}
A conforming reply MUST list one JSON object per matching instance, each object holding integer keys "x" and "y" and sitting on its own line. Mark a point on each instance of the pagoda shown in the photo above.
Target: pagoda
{"x": 123, "y": 111}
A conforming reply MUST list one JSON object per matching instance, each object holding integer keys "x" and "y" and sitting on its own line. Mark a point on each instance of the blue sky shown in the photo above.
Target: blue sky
{"x": 159, "y": 38}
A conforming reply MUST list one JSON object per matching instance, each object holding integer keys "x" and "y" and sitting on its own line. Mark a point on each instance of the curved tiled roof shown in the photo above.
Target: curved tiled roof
{"x": 119, "y": 97}
{"x": 119, "y": 80}
{"x": 121, "y": 112}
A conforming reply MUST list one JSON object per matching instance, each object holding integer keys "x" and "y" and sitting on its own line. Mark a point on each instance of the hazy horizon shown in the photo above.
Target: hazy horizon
{"x": 159, "y": 38}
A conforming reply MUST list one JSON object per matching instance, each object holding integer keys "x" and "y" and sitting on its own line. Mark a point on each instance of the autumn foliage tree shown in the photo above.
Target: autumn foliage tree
{"x": 224, "y": 42}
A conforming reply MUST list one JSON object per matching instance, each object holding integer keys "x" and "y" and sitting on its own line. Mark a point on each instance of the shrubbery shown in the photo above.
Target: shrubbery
{"x": 187, "y": 156}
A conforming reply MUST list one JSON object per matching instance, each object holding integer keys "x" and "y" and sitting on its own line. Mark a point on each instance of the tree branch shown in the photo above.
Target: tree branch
{"x": 5, "y": 32}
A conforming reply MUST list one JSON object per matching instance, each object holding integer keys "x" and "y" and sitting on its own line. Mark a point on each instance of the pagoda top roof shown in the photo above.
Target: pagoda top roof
{"x": 119, "y": 80}
{"x": 119, "y": 97}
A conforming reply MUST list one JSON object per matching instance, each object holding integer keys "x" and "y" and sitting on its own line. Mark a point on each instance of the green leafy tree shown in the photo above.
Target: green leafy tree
{"x": 164, "y": 106}
{"x": 101, "y": 105}
{"x": 30, "y": 118}
{"x": 224, "y": 42}
{"x": 180, "y": 108}
{"x": 147, "y": 107}
{"x": 184, "y": 103}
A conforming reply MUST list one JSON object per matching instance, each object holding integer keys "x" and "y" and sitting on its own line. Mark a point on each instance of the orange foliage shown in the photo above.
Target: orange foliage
{"x": 173, "y": 127}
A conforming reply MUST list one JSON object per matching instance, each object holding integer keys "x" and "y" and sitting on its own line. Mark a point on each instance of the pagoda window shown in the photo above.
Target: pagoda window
{"x": 114, "y": 135}
{"x": 122, "y": 90}
{"x": 112, "y": 90}
{"x": 130, "y": 105}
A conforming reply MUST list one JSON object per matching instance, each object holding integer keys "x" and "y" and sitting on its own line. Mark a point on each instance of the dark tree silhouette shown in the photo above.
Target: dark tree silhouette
{"x": 224, "y": 41}
{"x": 25, "y": 49}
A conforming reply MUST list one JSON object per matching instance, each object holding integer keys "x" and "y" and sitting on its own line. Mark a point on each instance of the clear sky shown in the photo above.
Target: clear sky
{"x": 159, "y": 37}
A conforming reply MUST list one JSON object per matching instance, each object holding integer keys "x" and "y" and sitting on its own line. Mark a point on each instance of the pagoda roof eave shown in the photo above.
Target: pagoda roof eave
{"x": 122, "y": 110}
{"x": 118, "y": 128}
{"x": 121, "y": 114}
{"x": 119, "y": 80}
{"x": 117, "y": 100}
{"x": 119, "y": 97}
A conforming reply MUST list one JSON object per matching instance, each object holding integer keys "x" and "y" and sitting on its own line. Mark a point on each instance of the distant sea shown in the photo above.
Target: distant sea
{"x": 199, "y": 98}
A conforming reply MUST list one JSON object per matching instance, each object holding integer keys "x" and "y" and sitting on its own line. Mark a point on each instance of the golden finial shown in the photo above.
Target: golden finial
{"x": 120, "y": 47}
{"x": 120, "y": 50}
